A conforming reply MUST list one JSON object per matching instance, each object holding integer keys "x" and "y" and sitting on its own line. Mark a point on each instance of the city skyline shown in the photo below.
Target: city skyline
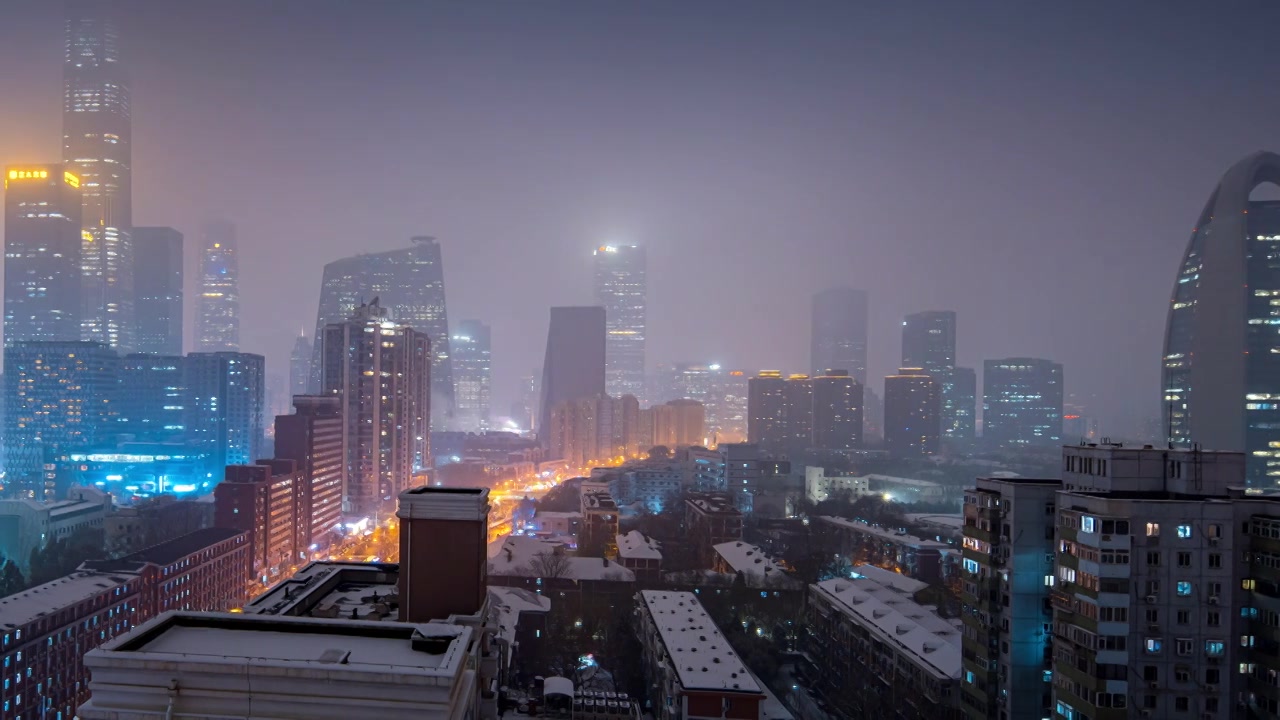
{"x": 839, "y": 242}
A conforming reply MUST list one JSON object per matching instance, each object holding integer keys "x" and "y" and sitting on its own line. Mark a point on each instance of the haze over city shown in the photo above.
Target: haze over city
{"x": 1036, "y": 168}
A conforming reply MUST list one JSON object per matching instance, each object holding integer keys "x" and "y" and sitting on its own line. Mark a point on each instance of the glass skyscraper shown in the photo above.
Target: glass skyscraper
{"x": 97, "y": 148}
{"x": 42, "y": 237}
{"x": 225, "y": 403}
{"x": 574, "y": 365}
{"x": 1221, "y": 371}
{"x": 409, "y": 284}
{"x": 838, "y": 339}
{"x": 1021, "y": 402}
{"x": 218, "y": 314}
{"x": 472, "y": 375}
{"x": 621, "y": 291}
{"x": 157, "y": 285}
{"x": 929, "y": 343}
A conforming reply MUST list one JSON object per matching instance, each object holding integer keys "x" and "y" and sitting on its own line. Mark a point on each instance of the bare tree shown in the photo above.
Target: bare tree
{"x": 549, "y": 565}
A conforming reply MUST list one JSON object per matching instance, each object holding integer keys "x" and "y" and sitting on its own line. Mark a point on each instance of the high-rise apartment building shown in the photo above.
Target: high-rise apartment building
{"x": 409, "y": 284}
{"x": 42, "y": 238}
{"x": 97, "y": 148}
{"x": 473, "y": 375}
{"x": 157, "y": 286}
{"x": 218, "y": 309}
{"x": 801, "y": 412}
{"x": 839, "y": 332}
{"x": 300, "y": 365}
{"x": 678, "y": 423}
{"x": 60, "y": 397}
{"x": 1221, "y": 356}
{"x": 381, "y": 370}
{"x": 1021, "y": 402}
{"x": 312, "y": 438}
{"x": 1008, "y": 553}
{"x": 621, "y": 290}
{"x": 597, "y": 429}
{"x": 226, "y": 399}
{"x": 912, "y": 413}
{"x": 262, "y": 500}
{"x": 929, "y": 343}
{"x": 574, "y": 365}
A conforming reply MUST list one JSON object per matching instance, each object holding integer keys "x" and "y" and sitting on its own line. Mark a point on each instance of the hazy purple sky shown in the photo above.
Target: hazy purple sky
{"x": 1034, "y": 166}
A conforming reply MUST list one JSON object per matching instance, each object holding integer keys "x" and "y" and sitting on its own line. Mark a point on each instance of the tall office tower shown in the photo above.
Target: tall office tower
{"x": 218, "y": 311}
{"x": 410, "y": 285}
{"x": 42, "y": 238}
{"x": 226, "y": 397}
{"x": 153, "y": 397}
{"x": 524, "y": 410}
{"x": 1008, "y": 571}
{"x": 97, "y": 148}
{"x": 472, "y": 375}
{"x": 798, "y": 393}
{"x": 912, "y": 413}
{"x": 767, "y": 409}
{"x": 929, "y": 343}
{"x": 732, "y": 415}
{"x": 157, "y": 286}
{"x": 1021, "y": 402}
{"x": 960, "y": 425}
{"x": 312, "y": 438}
{"x": 574, "y": 365}
{"x": 381, "y": 370}
{"x": 1221, "y": 354}
{"x": 837, "y": 411}
{"x": 300, "y": 365}
{"x": 621, "y": 291}
{"x": 839, "y": 332}
{"x": 59, "y": 397}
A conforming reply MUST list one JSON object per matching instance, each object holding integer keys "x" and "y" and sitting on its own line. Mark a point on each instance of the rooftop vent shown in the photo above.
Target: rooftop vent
{"x": 335, "y": 656}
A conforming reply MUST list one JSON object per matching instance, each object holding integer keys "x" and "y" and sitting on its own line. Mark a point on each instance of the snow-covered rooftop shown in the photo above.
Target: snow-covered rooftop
{"x": 748, "y": 559}
{"x": 323, "y": 585}
{"x": 19, "y": 609}
{"x": 635, "y": 545}
{"x": 886, "y": 534}
{"x": 700, "y": 654}
{"x": 889, "y": 578}
{"x": 516, "y": 556}
{"x": 932, "y": 642}
{"x": 507, "y": 603}
{"x": 953, "y": 521}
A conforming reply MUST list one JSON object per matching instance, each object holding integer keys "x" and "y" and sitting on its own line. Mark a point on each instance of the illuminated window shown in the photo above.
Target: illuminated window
{"x": 1184, "y": 531}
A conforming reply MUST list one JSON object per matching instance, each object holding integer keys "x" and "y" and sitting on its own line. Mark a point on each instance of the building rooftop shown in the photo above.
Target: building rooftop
{"x": 751, "y": 561}
{"x": 899, "y": 621}
{"x": 180, "y": 547}
{"x": 22, "y": 608}
{"x": 598, "y": 501}
{"x": 894, "y": 536}
{"x": 515, "y": 556}
{"x": 283, "y": 642}
{"x": 635, "y": 545}
{"x": 548, "y": 514}
{"x": 891, "y": 579}
{"x": 333, "y": 590}
{"x": 952, "y": 521}
{"x": 713, "y": 505}
{"x": 700, "y": 654}
{"x": 506, "y": 605}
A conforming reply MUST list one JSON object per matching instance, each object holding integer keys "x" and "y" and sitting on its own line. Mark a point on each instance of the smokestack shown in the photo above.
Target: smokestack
{"x": 444, "y": 535}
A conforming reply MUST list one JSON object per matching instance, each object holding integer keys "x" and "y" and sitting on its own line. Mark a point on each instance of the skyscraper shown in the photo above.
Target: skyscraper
{"x": 42, "y": 246}
{"x": 574, "y": 365}
{"x": 1021, "y": 402}
{"x": 300, "y": 365}
{"x": 381, "y": 370}
{"x": 621, "y": 291}
{"x": 410, "y": 285}
{"x": 838, "y": 339}
{"x": 97, "y": 148}
{"x": 929, "y": 343}
{"x": 157, "y": 285}
{"x": 767, "y": 409}
{"x": 218, "y": 320}
{"x": 472, "y": 376}
{"x": 837, "y": 411}
{"x": 1221, "y": 374}
{"x": 153, "y": 397}
{"x": 912, "y": 409}
{"x": 59, "y": 397}
{"x": 226, "y": 397}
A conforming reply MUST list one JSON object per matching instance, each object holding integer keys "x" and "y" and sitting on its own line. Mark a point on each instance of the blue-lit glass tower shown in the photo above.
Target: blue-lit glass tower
{"x": 225, "y": 400}
{"x": 1221, "y": 364}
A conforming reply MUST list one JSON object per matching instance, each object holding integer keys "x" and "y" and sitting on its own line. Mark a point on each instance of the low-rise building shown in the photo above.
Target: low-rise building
{"x": 873, "y": 651}
{"x": 153, "y": 521}
{"x": 27, "y": 525}
{"x": 757, "y": 569}
{"x": 262, "y": 499}
{"x": 581, "y": 587}
{"x": 710, "y": 519}
{"x": 820, "y": 487}
{"x": 599, "y": 522}
{"x": 930, "y": 560}
{"x": 640, "y": 554}
{"x": 690, "y": 667}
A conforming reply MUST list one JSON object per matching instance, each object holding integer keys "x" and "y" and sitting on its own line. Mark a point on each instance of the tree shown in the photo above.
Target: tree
{"x": 549, "y": 565}
{"x": 62, "y": 557}
{"x": 11, "y": 580}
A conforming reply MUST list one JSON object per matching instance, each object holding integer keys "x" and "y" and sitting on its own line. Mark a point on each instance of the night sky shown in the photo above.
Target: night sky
{"x": 1036, "y": 167}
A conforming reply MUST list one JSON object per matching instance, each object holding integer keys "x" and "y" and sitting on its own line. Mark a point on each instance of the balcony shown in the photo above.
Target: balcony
{"x": 1062, "y": 601}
